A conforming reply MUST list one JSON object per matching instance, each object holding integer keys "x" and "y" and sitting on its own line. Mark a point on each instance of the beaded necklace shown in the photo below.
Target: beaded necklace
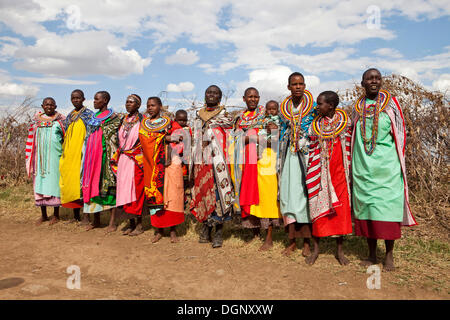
{"x": 383, "y": 99}
{"x": 327, "y": 134}
{"x": 44, "y": 141}
{"x": 155, "y": 125}
{"x": 295, "y": 117}
{"x": 296, "y": 132}
{"x": 42, "y": 120}
{"x": 76, "y": 114}
{"x": 128, "y": 123}
{"x": 328, "y": 129}
{"x": 374, "y": 114}
{"x": 248, "y": 117}
{"x": 96, "y": 120}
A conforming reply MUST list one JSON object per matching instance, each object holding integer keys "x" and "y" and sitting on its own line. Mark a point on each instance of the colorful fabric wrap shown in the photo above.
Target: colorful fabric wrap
{"x": 309, "y": 112}
{"x": 30, "y": 147}
{"x": 209, "y": 165}
{"x": 134, "y": 153}
{"x": 243, "y": 159}
{"x": 321, "y": 193}
{"x": 84, "y": 114}
{"x": 152, "y": 135}
{"x": 103, "y": 127}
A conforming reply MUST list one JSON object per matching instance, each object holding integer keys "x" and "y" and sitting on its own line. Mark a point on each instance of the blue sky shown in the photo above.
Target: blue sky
{"x": 175, "y": 49}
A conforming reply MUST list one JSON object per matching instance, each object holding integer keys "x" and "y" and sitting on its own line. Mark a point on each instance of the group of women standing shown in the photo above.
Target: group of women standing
{"x": 302, "y": 164}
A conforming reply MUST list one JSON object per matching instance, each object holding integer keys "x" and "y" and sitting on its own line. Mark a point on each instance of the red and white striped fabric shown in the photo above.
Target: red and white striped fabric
{"x": 315, "y": 163}
{"x": 29, "y": 149}
{"x": 321, "y": 194}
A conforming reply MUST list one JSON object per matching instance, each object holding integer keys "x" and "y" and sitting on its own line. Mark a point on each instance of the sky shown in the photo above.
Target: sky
{"x": 175, "y": 49}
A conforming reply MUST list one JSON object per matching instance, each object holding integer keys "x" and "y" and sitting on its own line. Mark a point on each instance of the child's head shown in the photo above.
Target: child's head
{"x": 181, "y": 117}
{"x": 101, "y": 100}
{"x": 49, "y": 106}
{"x": 77, "y": 99}
{"x": 272, "y": 108}
{"x": 251, "y": 98}
{"x": 327, "y": 102}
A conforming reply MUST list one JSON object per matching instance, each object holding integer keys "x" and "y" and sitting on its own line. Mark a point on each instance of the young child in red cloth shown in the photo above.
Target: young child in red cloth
{"x": 181, "y": 120}
{"x": 327, "y": 177}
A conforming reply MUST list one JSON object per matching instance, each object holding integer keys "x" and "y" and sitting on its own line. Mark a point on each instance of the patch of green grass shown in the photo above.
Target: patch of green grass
{"x": 4, "y": 195}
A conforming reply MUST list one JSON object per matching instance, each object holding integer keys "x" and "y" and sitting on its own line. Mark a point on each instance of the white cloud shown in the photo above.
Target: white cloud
{"x": 50, "y": 80}
{"x": 181, "y": 87}
{"x": 89, "y": 103}
{"x": 254, "y": 33}
{"x": 271, "y": 84}
{"x": 16, "y": 89}
{"x": 388, "y": 52}
{"x": 10, "y": 89}
{"x": 81, "y": 53}
{"x": 183, "y": 56}
{"x": 8, "y": 47}
{"x": 312, "y": 81}
{"x": 443, "y": 83}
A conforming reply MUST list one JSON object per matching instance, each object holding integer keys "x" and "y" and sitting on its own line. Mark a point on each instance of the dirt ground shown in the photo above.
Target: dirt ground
{"x": 34, "y": 262}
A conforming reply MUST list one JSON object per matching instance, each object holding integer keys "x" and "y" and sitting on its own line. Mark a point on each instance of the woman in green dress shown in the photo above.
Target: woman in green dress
{"x": 43, "y": 151}
{"x": 380, "y": 192}
{"x": 297, "y": 112}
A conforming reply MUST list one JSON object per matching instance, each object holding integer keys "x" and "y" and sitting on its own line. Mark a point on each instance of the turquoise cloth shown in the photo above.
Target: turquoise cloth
{"x": 378, "y": 191}
{"x": 93, "y": 207}
{"x": 48, "y": 148}
{"x": 293, "y": 199}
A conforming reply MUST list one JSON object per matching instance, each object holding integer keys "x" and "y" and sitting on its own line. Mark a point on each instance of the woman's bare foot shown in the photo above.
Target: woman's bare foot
{"x": 73, "y": 220}
{"x": 85, "y": 221}
{"x": 311, "y": 258}
{"x": 110, "y": 229}
{"x": 290, "y": 249}
{"x": 368, "y": 262}
{"x": 306, "y": 252}
{"x": 53, "y": 220}
{"x": 388, "y": 264}
{"x": 137, "y": 231}
{"x": 92, "y": 226}
{"x": 41, "y": 220}
{"x": 157, "y": 237}
{"x": 127, "y": 231}
{"x": 342, "y": 259}
{"x": 266, "y": 246}
{"x": 173, "y": 237}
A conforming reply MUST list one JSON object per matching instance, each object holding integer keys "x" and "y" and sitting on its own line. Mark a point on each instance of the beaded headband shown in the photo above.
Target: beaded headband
{"x": 136, "y": 98}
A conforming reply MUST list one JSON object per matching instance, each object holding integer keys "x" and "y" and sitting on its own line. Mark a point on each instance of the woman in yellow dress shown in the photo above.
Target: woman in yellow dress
{"x": 72, "y": 154}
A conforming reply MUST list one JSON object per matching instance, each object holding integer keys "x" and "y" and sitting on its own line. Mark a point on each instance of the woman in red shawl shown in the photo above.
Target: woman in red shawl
{"x": 160, "y": 183}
